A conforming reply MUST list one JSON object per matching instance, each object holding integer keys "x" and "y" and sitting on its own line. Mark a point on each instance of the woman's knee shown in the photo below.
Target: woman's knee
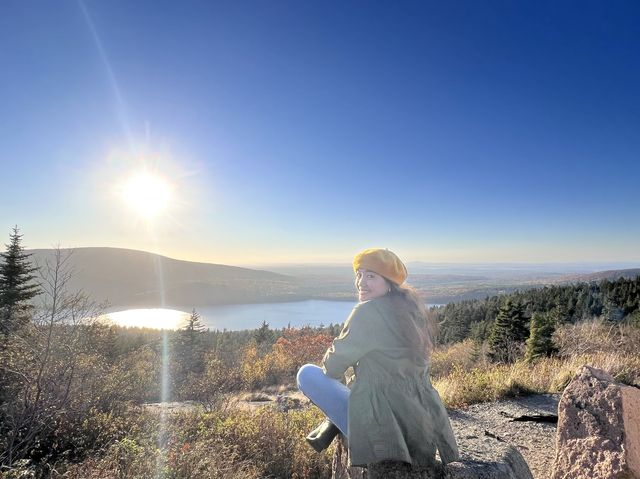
{"x": 306, "y": 375}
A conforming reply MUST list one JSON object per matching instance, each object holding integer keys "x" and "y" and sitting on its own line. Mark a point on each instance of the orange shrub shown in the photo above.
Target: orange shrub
{"x": 301, "y": 346}
{"x": 280, "y": 365}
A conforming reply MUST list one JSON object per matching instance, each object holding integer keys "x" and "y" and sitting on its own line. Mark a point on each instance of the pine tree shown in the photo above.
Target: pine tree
{"x": 192, "y": 339}
{"x": 479, "y": 331}
{"x": 612, "y": 311}
{"x": 263, "y": 334}
{"x": 560, "y": 315}
{"x": 264, "y": 337}
{"x": 540, "y": 343}
{"x": 192, "y": 330}
{"x": 188, "y": 350}
{"x": 17, "y": 285}
{"x": 508, "y": 332}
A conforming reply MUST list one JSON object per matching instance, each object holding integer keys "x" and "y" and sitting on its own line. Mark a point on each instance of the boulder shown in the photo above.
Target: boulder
{"x": 483, "y": 456}
{"x": 486, "y": 456}
{"x": 598, "y": 428}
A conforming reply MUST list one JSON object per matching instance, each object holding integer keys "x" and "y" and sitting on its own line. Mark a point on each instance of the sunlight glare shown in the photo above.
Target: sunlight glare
{"x": 148, "y": 194}
{"x": 149, "y": 318}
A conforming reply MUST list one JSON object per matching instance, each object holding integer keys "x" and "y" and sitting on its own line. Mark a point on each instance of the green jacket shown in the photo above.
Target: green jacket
{"x": 394, "y": 412}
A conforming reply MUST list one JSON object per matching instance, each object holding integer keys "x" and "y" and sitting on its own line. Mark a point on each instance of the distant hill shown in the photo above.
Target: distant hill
{"x": 128, "y": 278}
{"x": 602, "y": 275}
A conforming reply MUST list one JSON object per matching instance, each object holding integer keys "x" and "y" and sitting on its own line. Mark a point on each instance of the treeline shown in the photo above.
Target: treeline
{"x": 227, "y": 345}
{"x": 613, "y": 300}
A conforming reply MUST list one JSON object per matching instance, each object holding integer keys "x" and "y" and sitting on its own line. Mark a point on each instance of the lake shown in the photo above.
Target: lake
{"x": 241, "y": 316}
{"x": 238, "y": 317}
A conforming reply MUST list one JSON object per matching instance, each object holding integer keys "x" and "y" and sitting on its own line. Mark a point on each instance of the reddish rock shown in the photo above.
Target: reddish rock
{"x": 598, "y": 433}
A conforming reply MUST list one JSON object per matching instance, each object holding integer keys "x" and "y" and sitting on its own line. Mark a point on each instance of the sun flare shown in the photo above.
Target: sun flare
{"x": 149, "y": 318}
{"x": 146, "y": 193}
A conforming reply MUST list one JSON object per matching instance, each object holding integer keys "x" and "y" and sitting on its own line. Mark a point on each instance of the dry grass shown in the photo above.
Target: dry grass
{"x": 463, "y": 376}
{"x": 463, "y": 355}
{"x": 461, "y": 388}
{"x": 596, "y": 336}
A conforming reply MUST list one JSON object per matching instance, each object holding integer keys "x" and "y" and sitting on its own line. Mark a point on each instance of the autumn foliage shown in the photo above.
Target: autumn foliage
{"x": 279, "y": 365}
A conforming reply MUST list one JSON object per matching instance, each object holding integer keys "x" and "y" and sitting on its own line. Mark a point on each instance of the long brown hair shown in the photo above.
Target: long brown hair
{"x": 413, "y": 320}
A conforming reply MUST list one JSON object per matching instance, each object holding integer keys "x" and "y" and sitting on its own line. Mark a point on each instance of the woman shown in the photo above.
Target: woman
{"x": 391, "y": 412}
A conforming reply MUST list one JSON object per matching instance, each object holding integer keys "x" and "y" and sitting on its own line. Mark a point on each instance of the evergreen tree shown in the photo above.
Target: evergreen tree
{"x": 560, "y": 315}
{"x": 540, "y": 341}
{"x": 508, "y": 332}
{"x": 264, "y": 335}
{"x": 188, "y": 352}
{"x": 193, "y": 328}
{"x": 479, "y": 331}
{"x": 612, "y": 311}
{"x": 17, "y": 285}
{"x": 499, "y": 335}
{"x": 190, "y": 344}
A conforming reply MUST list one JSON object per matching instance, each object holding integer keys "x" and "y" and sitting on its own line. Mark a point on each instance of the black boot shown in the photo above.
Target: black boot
{"x": 321, "y": 437}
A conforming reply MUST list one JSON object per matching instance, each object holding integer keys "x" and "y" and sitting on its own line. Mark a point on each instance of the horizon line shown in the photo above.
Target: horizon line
{"x": 635, "y": 262}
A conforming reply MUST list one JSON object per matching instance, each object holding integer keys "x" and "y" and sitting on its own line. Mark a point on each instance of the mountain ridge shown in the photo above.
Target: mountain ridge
{"x": 133, "y": 278}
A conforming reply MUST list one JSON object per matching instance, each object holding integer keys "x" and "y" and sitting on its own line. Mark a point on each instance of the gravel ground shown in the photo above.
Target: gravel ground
{"x": 534, "y": 440}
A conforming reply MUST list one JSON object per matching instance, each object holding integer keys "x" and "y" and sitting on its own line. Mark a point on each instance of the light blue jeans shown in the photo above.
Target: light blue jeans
{"x": 330, "y": 395}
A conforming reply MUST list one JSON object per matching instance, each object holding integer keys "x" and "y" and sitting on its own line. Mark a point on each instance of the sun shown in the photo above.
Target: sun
{"x": 147, "y": 194}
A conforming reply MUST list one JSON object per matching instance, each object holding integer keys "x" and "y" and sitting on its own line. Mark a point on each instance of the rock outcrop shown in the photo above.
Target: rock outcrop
{"x": 598, "y": 429}
{"x": 483, "y": 456}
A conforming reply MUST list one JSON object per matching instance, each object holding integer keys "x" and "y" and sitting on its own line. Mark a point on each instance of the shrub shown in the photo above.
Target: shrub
{"x": 280, "y": 365}
{"x": 211, "y": 388}
{"x": 234, "y": 444}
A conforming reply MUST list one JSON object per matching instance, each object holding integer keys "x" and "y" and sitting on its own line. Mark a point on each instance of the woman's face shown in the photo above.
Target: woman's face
{"x": 370, "y": 285}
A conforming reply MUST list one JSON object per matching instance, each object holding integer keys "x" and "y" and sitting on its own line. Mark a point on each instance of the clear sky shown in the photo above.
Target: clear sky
{"x": 293, "y": 131}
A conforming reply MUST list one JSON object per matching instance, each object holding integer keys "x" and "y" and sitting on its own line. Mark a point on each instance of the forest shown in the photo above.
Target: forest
{"x": 614, "y": 300}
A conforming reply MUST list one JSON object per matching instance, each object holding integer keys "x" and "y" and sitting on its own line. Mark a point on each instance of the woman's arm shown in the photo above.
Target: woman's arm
{"x": 356, "y": 339}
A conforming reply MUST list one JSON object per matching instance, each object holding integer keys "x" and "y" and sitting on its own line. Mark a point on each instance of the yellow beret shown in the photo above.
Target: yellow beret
{"x": 383, "y": 262}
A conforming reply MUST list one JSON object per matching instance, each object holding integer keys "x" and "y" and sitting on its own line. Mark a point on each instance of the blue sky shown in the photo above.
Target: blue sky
{"x": 306, "y": 131}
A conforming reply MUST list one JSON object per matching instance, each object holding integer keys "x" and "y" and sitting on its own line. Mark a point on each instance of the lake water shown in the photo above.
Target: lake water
{"x": 242, "y": 316}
